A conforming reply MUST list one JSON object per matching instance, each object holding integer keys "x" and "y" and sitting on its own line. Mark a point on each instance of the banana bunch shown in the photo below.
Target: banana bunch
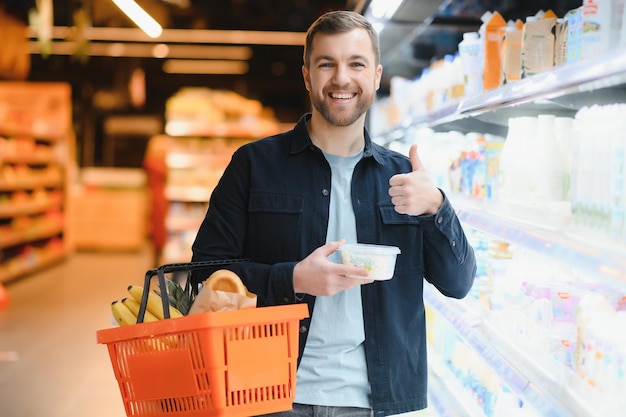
{"x": 125, "y": 311}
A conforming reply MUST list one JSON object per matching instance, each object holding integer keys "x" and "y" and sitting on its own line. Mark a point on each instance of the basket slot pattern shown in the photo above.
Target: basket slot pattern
{"x": 260, "y": 395}
{"x": 184, "y": 404}
{"x": 257, "y": 332}
{"x": 199, "y": 364}
{"x": 144, "y": 408}
{"x": 137, "y": 406}
{"x": 264, "y": 341}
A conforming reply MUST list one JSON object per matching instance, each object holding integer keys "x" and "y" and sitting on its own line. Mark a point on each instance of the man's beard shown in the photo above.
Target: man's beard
{"x": 342, "y": 118}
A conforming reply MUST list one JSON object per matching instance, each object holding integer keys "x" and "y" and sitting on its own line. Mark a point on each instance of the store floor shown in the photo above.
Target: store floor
{"x": 50, "y": 362}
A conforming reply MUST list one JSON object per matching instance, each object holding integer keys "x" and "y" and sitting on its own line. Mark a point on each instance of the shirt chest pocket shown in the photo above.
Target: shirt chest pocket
{"x": 275, "y": 223}
{"x": 405, "y": 232}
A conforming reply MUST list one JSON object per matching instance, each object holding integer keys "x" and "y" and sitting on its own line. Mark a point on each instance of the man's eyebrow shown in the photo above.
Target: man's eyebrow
{"x": 323, "y": 58}
{"x": 330, "y": 58}
{"x": 359, "y": 57}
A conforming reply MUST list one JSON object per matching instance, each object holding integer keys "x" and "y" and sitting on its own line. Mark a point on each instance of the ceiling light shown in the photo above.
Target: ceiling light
{"x": 160, "y": 50}
{"x": 192, "y": 66}
{"x": 140, "y": 17}
{"x": 384, "y": 9}
{"x": 116, "y": 49}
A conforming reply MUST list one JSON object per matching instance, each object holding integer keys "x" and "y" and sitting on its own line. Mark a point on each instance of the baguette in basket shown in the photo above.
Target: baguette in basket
{"x": 222, "y": 290}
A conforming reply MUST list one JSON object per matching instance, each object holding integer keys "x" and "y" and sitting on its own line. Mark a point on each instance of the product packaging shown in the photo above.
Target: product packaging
{"x": 603, "y": 22}
{"x": 537, "y": 45}
{"x": 574, "y": 19}
{"x": 549, "y": 173}
{"x": 514, "y": 169}
{"x": 493, "y": 150}
{"x": 560, "y": 42}
{"x": 512, "y": 54}
{"x": 469, "y": 53}
{"x": 563, "y": 131}
{"x": 494, "y": 29}
{"x": 617, "y": 23}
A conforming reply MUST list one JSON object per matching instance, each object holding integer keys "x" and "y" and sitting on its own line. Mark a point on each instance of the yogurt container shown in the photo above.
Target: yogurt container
{"x": 379, "y": 260}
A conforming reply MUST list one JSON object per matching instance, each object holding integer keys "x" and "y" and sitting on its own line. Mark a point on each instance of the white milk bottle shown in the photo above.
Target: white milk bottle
{"x": 547, "y": 176}
{"x": 616, "y": 114}
{"x": 563, "y": 133}
{"x": 469, "y": 51}
{"x": 525, "y": 159}
{"x": 512, "y": 184}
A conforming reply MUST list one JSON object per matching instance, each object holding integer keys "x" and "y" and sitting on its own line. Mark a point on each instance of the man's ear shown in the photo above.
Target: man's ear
{"x": 307, "y": 78}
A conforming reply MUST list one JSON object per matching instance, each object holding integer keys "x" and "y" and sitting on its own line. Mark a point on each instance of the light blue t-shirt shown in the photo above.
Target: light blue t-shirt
{"x": 333, "y": 371}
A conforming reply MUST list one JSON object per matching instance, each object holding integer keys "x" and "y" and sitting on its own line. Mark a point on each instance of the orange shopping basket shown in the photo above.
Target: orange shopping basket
{"x": 233, "y": 363}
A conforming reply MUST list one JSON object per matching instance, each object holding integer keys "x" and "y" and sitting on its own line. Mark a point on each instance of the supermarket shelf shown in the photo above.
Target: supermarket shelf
{"x": 31, "y": 183}
{"x": 584, "y": 76}
{"x": 561, "y": 91}
{"x": 22, "y": 266}
{"x": 28, "y": 208}
{"x": 523, "y": 378}
{"x": 113, "y": 178}
{"x": 197, "y": 194}
{"x": 37, "y": 142}
{"x": 228, "y": 129}
{"x": 592, "y": 252}
{"x": 205, "y": 160}
{"x": 36, "y": 158}
{"x": 179, "y": 223}
{"x": 45, "y": 230}
{"x": 446, "y": 394}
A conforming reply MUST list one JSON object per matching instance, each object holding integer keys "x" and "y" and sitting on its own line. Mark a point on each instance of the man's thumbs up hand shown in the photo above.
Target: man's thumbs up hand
{"x": 416, "y": 162}
{"x": 414, "y": 193}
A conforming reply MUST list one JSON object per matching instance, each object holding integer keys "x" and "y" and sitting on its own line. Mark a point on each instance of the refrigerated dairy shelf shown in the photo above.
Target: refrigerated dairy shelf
{"x": 560, "y": 91}
{"x": 533, "y": 383}
{"x": 441, "y": 385}
{"x": 593, "y": 252}
{"x": 586, "y": 247}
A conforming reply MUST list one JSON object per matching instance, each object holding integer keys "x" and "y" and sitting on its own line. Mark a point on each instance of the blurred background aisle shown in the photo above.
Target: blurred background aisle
{"x": 50, "y": 362}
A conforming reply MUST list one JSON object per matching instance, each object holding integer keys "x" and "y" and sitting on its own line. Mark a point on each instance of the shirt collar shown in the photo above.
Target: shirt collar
{"x": 302, "y": 140}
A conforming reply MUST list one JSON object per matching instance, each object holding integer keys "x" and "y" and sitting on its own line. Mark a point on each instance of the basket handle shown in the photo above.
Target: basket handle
{"x": 174, "y": 267}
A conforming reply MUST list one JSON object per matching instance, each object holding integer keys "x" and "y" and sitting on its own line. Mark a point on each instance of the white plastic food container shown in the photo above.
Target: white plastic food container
{"x": 380, "y": 260}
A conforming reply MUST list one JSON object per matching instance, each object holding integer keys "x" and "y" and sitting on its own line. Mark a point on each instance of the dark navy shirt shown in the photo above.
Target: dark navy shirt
{"x": 271, "y": 206}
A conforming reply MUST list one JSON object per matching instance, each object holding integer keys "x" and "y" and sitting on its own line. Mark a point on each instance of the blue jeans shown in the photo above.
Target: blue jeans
{"x": 303, "y": 410}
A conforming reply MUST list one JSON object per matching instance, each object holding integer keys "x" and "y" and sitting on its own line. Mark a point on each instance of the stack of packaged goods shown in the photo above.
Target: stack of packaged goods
{"x": 196, "y": 111}
{"x": 502, "y": 52}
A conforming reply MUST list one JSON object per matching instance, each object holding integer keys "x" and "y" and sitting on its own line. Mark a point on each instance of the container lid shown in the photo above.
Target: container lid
{"x": 370, "y": 248}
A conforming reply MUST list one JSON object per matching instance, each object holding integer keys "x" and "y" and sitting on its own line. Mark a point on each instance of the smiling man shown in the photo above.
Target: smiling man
{"x": 342, "y": 81}
{"x": 289, "y": 201}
